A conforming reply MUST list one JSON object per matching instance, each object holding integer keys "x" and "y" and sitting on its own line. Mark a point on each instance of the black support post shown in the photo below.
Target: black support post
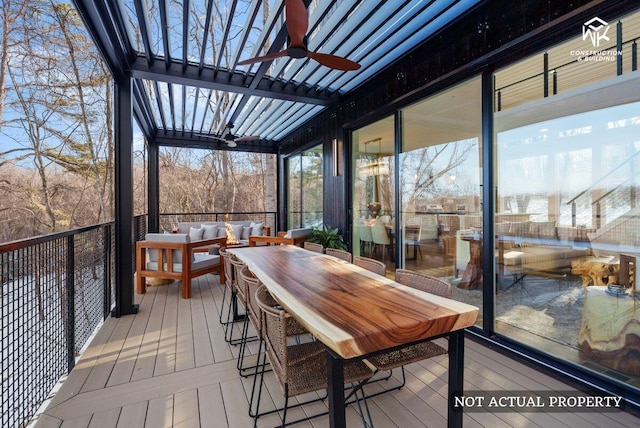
{"x": 153, "y": 189}
{"x": 545, "y": 74}
{"x": 619, "y": 48}
{"x": 456, "y": 377}
{"x": 123, "y": 122}
{"x": 489, "y": 193}
{"x": 335, "y": 390}
{"x": 71, "y": 305}
{"x": 107, "y": 272}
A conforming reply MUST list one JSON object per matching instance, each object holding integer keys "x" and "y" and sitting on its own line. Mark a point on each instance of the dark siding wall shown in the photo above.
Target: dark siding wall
{"x": 494, "y": 34}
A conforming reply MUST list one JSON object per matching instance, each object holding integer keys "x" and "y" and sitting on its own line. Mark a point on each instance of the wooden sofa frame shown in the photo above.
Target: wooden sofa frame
{"x": 165, "y": 252}
{"x": 276, "y": 240}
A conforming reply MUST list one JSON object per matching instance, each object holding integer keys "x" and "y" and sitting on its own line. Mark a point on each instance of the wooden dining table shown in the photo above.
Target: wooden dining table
{"x": 356, "y": 314}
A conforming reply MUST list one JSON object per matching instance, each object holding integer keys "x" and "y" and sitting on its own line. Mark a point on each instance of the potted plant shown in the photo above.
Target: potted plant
{"x": 328, "y": 236}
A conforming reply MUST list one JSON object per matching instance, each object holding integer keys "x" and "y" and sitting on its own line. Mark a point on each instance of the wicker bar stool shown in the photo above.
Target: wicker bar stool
{"x": 240, "y": 297}
{"x": 420, "y": 351}
{"x": 341, "y": 254}
{"x": 301, "y": 367}
{"x": 312, "y": 246}
{"x": 230, "y": 285}
{"x": 294, "y": 328}
{"x": 251, "y": 284}
{"x": 375, "y": 266}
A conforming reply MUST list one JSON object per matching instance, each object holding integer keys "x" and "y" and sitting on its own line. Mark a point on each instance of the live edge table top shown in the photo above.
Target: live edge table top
{"x": 354, "y": 312}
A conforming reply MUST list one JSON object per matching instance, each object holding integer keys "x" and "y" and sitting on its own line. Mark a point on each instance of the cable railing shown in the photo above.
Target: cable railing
{"x": 608, "y": 189}
{"x": 552, "y": 80}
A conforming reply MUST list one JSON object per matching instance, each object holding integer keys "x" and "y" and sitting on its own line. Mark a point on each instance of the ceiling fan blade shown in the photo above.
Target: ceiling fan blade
{"x": 334, "y": 61}
{"x": 297, "y": 22}
{"x": 248, "y": 138}
{"x": 268, "y": 57}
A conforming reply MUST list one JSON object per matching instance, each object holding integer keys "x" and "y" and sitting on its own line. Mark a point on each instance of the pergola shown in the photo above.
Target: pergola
{"x": 175, "y": 69}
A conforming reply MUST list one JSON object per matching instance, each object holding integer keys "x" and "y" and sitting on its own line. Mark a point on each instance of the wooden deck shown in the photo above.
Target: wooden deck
{"x": 170, "y": 366}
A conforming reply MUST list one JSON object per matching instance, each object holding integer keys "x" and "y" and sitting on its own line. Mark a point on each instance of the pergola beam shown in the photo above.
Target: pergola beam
{"x": 221, "y": 81}
{"x": 186, "y": 140}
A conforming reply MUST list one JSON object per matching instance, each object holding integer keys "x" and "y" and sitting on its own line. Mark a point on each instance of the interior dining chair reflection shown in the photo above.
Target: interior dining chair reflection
{"x": 380, "y": 238}
{"x": 412, "y": 234}
{"x": 366, "y": 240}
{"x": 301, "y": 367}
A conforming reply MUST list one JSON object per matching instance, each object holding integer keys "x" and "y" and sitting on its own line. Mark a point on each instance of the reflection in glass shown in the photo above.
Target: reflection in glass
{"x": 373, "y": 191}
{"x": 568, "y": 231}
{"x": 305, "y": 172}
{"x": 440, "y": 189}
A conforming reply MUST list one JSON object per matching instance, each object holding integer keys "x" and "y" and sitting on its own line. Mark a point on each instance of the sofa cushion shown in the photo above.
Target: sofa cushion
{"x": 210, "y": 231}
{"x": 257, "y": 229}
{"x": 503, "y": 228}
{"x": 166, "y": 237}
{"x": 236, "y": 230}
{"x": 298, "y": 233}
{"x": 195, "y": 234}
{"x": 201, "y": 261}
{"x": 543, "y": 229}
{"x": 519, "y": 228}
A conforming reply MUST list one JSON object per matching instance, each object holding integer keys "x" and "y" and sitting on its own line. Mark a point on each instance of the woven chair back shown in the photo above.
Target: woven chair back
{"x": 426, "y": 283}
{"x": 372, "y": 265}
{"x": 251, "y": 286}
{"x": 341, "y": 254}
{"x": 274, "y": 332}
{"x": 237, "y": 265}
{"x": 229, "y": 278}
{"x": 312, "y": 246}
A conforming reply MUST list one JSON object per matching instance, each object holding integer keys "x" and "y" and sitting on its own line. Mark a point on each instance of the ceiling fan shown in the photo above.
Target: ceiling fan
{"x": 232, "y": 140}
{"x": 297, "y": 23}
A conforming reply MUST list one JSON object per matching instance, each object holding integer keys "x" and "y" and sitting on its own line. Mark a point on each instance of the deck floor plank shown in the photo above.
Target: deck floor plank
{"x": 169, "y": 365}
{"x": 148, "y": 352}
{"x": 126, "y": 361}
{"x": 133, "y": 415}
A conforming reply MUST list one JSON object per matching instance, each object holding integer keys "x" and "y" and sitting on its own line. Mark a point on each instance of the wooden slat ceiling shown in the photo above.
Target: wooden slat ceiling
{"x": 184, "y": 55}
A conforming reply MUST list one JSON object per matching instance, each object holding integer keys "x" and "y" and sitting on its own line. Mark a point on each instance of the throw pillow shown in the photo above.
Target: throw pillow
{"x": 257, "y": 229}
{"x": 236, "y": 229}
{"x": 210, "y": 231}
{"x": 222, "y": 231}
{"x": 246, "y": 231}
{"x": 195, "y": 234}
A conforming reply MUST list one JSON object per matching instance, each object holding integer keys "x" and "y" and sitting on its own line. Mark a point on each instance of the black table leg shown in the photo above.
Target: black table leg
{"x": 335, "y": 389}
{"x": 456, "y": 377}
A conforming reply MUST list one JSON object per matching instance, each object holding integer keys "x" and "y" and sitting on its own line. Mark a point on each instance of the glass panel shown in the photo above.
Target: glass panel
{"x": 305, "y": 188}
{"x": 440, "y": 189}
{"x": 295, "y": 197}
{"x": 373, "y": 191}
{"x": 567, "y": 223}
{"x": 312, "y": 187}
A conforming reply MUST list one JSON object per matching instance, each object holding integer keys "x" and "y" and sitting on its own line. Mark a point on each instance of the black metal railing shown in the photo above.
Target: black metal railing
{"x": 56, "y": 291}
